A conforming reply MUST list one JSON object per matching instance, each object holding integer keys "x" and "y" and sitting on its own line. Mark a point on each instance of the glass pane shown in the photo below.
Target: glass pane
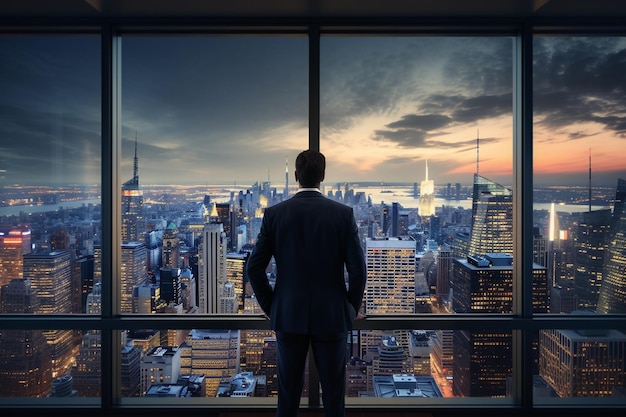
{"x": 50, "y": 216}
{"x": 418, "y": 136}
{"x": 579, "y": 194}
{"x": 211, "y": 128}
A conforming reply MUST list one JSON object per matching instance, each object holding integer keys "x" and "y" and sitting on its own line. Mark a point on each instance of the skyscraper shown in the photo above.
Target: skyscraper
{"x": 14, "y": 244}
{"x": 492, "y": 218}
{"x": 427, "y": 196}
{"x": 612, "y": 296}
{"x": 591, "y": 246}
{"x": 583, "y": 363}
{"x": 50, "y": 277}
{"x": 87, "y": 372}
{"x": 211, "y": 267}
{"x": 25, "y": 357}
{"x": 133, "y": 273}
{"x": 170, "y": 252}
{"x": 133, "y": 225}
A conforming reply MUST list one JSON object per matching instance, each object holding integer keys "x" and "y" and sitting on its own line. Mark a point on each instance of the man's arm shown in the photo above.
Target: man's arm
{"x": 256, "y": 267}
{"x": 355, "y": 265}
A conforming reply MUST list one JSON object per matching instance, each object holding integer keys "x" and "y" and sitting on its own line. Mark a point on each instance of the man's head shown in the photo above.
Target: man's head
{"x": 310, "y": 168}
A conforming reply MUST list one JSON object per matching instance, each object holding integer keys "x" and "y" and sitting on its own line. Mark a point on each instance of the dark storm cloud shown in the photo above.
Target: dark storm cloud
{"x": 424, "y": 122}
{"x": 578, "y": 80}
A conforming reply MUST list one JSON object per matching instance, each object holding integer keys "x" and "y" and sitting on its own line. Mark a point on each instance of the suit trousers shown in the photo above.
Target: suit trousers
{"x": 329, "y": 352}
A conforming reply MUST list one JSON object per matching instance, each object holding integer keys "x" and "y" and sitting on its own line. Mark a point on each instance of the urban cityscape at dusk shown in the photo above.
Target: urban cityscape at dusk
{"x": 420, "y": 148}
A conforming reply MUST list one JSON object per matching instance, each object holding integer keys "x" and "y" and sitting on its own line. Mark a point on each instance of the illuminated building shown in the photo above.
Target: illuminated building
{"x": 612, "y": 295}
{"x": 87, "y": 372}
{"x": 25, "y": 357}
{"x": 492, "y": 218}
{"x": 133, "y": 273}
{"x": 14, "y": 244}
{"x": 213, "y": 353}
{"x": 49, "y": 274}
{"x": 235, "y": 273}
{"x": 583, "y": 363}
{"x": 591, "y": 246}
{"x": 161, "y": 365}
{"x": 133, "y": 225}
{"x": 427, "y": 196}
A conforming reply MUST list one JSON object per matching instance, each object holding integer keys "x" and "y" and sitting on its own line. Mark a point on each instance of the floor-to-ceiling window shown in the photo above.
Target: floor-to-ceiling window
{"x": 420, "y": 135}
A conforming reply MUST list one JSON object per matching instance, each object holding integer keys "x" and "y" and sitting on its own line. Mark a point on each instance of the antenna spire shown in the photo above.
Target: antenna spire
{"x": 477, "y": 152}
{"x": 135, "y": 163}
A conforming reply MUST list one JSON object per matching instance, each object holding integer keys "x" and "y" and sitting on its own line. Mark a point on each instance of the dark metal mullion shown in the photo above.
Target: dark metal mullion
{"x": 522, "y": 213}
{"x": 314, "y": 143}
{"x": 111, "y": 213}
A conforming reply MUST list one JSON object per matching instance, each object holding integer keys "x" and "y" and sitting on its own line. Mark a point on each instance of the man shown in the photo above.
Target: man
{"x": 312, "y": 240}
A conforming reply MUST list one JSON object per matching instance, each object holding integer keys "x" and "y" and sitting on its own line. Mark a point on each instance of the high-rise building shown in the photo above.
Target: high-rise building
{"x": 25, "y": 357}
{"x": 50, "y": 277}
{"x": 390, "y": 289}
{"x": 171, "y": 285}
{"x": 133, "y": 273}
{"x": 170, "y": 251}
{"x": 133, "y": 224}
{"x": 583, "y": 363}
{"x": 492, "y": 218}
{"x": 87, "y": 373}
{"x": 211, "y": 268}
{"x": 444, "y": 272}
{"x": 427, "y": 196}
{"x": 213, "y": 353}
{"x": 591, "y": 246}
{"x": 160, "y": 365}
{"x": 484, "y": 284}
{"x": 15, "y": 242}
{"x": 612, "y": 295}
{"x": 130, "y": 371}
{"x": 235, "y": 273}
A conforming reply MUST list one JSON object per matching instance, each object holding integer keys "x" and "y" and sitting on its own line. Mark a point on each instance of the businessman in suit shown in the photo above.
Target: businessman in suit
{"x": 314, "y": 241}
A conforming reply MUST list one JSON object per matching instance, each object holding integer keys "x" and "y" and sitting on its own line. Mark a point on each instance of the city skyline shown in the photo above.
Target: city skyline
{"x": 204, "y": 105}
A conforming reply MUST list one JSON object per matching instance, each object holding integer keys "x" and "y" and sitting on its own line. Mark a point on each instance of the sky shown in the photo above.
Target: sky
{"x": 235, "y": 109}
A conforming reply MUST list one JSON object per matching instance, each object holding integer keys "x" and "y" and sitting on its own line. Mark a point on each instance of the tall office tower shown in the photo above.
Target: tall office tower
{"x": 171, "y": 285}
{"x": 482, "y": 363}
{"x": 252, "y": 342}
{"x": 583, "y": 363}
{"x": 390, "y": 288}
{"x": 14, "y": 244}
{"x": 612, "y": 296}
{"x": 211, "y": 268}
{"x": 25, "y": 357}
{"x": 130, "y": 371}
{"x": 133, "y": 224}
{"x": 591, "y": 246}
{"x": 395, "y": 220}
{"x": 492, "y": 218}
{"x": 170, "y": 251}
{"x": 484, "y": 284}
{"x": 236, "y": 273}
{"x": 160, "y": 365}
{"x": 50, "y": 275}
{"x": 133, "y": 273}
{"x": 427, "y": 196}
{"x": 214, "y": 353}
{"x": 223, "y": 210}
{"x": 444, "y": 273}
{"x": 268, "y": 367}
{"x": 87, "y": 373}
{"x": 147, "y": 299}
{"x": 443, "y": 355}
{"x": 391, "y": 267}
{"x": 84, "y": 267}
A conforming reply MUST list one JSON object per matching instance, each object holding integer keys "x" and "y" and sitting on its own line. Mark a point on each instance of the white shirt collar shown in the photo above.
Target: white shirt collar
{"x": 309, "y": 189}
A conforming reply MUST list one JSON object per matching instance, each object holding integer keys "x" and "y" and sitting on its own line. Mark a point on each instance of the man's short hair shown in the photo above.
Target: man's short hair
{"x": 310, "y": 168}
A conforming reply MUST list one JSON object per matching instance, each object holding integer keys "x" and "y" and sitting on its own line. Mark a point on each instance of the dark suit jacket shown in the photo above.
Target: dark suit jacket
{"x": 311, "y": 238}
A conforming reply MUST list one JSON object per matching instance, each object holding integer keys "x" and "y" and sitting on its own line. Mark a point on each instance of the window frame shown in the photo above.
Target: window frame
{"x": 522, "y": 323}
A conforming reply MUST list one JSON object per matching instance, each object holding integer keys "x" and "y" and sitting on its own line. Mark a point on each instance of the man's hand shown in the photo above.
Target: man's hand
{"x": 360, "y": 316}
